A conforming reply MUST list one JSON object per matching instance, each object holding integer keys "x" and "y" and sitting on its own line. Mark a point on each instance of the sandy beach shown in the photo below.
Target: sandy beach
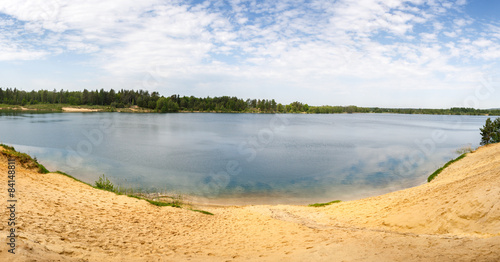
{"x": 456, "y": 217}
{"x": 79, "y": 110}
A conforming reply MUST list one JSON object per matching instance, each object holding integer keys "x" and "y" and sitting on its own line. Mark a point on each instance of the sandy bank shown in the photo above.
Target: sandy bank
{"x": 78, "y": 109}
{"x": 453, "y": 218}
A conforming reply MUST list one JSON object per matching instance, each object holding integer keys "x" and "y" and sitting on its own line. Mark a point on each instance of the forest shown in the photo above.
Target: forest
{"x": 155, "y": 102}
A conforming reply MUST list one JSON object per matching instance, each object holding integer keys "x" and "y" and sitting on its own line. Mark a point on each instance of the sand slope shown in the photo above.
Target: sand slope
{"x": 464, "y": 200}
{"x": 453, "y": 218}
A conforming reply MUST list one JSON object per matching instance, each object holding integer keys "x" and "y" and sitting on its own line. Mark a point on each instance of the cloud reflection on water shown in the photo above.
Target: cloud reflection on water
{"x": 312, "y": 158}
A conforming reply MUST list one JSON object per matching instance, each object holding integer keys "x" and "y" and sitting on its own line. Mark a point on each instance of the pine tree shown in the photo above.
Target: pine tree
{"x": 490, "y": 132}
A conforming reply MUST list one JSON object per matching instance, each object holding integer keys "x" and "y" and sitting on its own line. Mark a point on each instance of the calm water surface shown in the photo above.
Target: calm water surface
{"x": 263, "y": 158}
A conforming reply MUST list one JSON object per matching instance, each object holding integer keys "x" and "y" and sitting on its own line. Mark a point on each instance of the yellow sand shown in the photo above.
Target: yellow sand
{"x": 78, "y": 109}
{"x": 456, "y": 217}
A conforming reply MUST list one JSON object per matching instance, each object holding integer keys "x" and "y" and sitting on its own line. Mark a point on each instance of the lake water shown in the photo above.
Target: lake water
{"x": 248, "y": 158}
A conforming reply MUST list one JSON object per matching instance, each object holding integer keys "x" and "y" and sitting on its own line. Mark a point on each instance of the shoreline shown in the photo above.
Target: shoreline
{"x": 287, "y": 199}
{"x": 135, "y": 109}
{"x": 455, "y": 217}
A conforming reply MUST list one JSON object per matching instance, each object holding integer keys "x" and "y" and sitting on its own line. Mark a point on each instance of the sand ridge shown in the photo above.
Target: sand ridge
{"x": 453, "y": 218}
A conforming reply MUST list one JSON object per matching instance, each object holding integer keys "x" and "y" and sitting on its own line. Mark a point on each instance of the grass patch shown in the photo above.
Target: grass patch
{"x": 72, "y": 177}
{"x": 134, "y": 196}
{"x": 44, "y": 107}
{"x": 24, "y": 159}
{"x": 325, "y": 204}
{"x": 162, "y": 204}
{"x": 34, "y": 107}
{"x": 9, "y": 107}
{"x": 202, "y": 211}
{"x": 433, "y": 175}
{"x": 10, "y": 148}
{"x": 42, "y": 169}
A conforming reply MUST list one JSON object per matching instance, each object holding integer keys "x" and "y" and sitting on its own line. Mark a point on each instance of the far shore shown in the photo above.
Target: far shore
{"x": 136, "y": 109}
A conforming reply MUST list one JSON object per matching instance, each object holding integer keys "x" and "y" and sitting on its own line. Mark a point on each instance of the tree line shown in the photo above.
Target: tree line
{"x": 119, "y": 99}
{"x": 144, "y": 99}
{"x": 175, "y": 103}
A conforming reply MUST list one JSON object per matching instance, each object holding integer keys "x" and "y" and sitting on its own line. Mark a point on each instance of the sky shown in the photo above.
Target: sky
{"x": 375, "y": 53}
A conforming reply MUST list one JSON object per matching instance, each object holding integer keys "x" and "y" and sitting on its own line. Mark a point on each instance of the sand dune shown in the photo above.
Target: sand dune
{"x": 456, "y": 217}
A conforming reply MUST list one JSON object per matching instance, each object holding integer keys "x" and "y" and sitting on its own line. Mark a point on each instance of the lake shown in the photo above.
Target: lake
{"x": 245, "y": 158}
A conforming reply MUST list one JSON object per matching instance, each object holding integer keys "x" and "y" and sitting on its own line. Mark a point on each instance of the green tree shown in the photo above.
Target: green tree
{"x": 281, "y": 108}
{"x": 85, "y": 97}
{"x": 490, "y": 132}
{"x": 165, "y": 105}
{"x": 296, "y": 107}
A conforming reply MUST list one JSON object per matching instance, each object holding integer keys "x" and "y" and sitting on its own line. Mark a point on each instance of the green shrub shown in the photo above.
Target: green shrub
{"x": 104, "y": 183}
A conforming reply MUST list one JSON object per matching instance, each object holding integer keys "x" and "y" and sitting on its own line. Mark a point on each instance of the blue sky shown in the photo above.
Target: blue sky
{"x": 387, "y": 53}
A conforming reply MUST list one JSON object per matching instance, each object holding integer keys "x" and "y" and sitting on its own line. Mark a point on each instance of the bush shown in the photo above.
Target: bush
{"x": 490, "y": 133}
{"x": 104, "y": 183}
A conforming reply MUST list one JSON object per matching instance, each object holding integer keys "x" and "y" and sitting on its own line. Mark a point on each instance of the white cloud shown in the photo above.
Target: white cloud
{"x": 482, "y": 42}
{"x": 461, "y": 22}
{"x": 451, "y": 34}
{"x": 427, "y": 37}
{"x": 438, "y": 26}
{"x": 495, "y": 31}
{"x": 9, "y": 53}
